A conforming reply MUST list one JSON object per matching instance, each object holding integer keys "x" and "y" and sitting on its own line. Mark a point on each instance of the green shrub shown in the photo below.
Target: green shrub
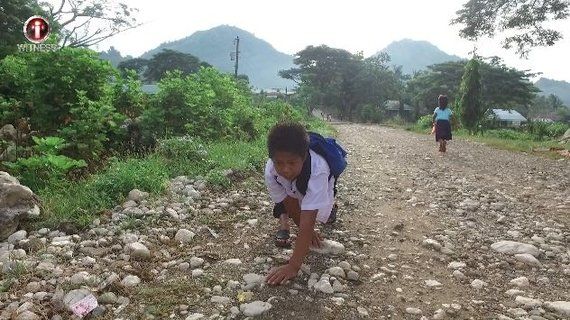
{"x": 370, "y": 113}
{"x": 93, "y": 128}
{"x": 47, "y": 83}
{"x": 182, "y": 148}
{"x": 425, "y": 122}
{"x": 218, "y": 180}
{"x": 46, "y": 166}
{"x": 149, "y": 174}
{"x": 508, "y": 134}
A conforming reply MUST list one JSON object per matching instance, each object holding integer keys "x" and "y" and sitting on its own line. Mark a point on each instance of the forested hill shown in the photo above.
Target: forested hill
{"x": 257, "y": 58}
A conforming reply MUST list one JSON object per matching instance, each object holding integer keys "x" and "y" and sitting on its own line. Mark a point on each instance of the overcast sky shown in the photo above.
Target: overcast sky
{"x": 354, "y": 25}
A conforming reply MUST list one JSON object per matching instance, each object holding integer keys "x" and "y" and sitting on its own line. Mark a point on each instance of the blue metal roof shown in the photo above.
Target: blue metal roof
{"x": 508, "y": 115}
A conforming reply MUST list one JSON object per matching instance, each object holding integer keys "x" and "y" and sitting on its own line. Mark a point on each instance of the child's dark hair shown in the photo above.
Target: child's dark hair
{"x": 442, "y": 101}
{"x": 288, "y": 137}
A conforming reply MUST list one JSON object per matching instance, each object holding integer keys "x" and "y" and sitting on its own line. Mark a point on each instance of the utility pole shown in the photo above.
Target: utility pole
{"x": 236, "y": 41}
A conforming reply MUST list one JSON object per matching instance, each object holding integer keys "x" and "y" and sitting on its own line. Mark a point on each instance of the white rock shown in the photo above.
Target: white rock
{"x": 430, "y": 243}
{"x": 130, "y": 238}
{"x": 130, "y": 281}
{"x": 252, "y": 222}
{"x": 80, "y": 277}
{"x": 432, "y": 283}
{"x": 329, "y": 247}
{"x": 345, "y": 266}
{"x": 233, "y": 262}
{"x": 75, "y": 296}
{"x": 337, "y": 272}
{"x": 520, "y": 282}
{"x": 17, "y": 236}
{"x": 478, "y": 284}
{"x": 337, "y": 286}
{"x": 195, "y": 316}
{"x": 513, "y": 292}
{"x": 413, "y": 311}
{"x": 362, "y": 311}
{"x": 560, "y": 307}
{"x": 324, "y": 286}
{"x": 527, "y": 259}
{"x": 528, "y": 303}
{"x": 456, "y": 265}
{"x": 352, "y": 275}
{"x": 458, "y": 275}
{"x": 28, "y": 315}
{"x": 512, "y": 247}
{"x": 61, "y": 241}
{"x": 138, "y": 251}
{"x": 220, "y": 300}
{"x": 255, "y": 308}
{"x": 439, "y": 314}
{"x": 253, "y": 279}
{"x": 197, "y": 273}
{"x": 184, "y": 236}
{"x": 196, "y": 262}
{"x": 137, "y": 195}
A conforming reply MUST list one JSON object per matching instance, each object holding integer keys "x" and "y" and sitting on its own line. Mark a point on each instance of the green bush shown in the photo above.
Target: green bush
{"x": 425, "y": 122}
{"x": 93, "y": 128}
{"x": 182, "y": 148}
{"x": 128, "y": 97}
{"x": 370, "y": 113}
{"x": 149, "y": 174}
{"x": 508, "y": 134}
{"x": 46, "y": 166}
{"x": 48, "y": 84}
{"x": 557, "y": 129}
{"x": 218, "y": 180}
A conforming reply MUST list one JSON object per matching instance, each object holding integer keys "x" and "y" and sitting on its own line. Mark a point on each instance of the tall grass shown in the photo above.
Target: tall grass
{"x": 79, "y": 202}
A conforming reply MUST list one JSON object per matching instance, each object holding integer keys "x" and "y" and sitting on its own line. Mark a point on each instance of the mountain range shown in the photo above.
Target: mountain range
{"x": 415, "y": 55}
{"x": 261, "y": 62}
{"x": 257, "y": 58}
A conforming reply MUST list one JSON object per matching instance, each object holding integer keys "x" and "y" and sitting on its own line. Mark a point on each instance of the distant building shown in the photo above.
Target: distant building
{"x": 274, "y": 93}
{"x": 150, "y": 88}
{"x": 506, "y": 117}
{"x": 392, "y": 108}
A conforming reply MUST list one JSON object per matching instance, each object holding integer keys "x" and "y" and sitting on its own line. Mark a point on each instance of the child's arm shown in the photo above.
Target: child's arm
{"x": 302, "y": 244}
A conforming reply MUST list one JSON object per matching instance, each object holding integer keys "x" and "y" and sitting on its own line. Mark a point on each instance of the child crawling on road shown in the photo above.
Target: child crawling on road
{"x": 291, "y": 168}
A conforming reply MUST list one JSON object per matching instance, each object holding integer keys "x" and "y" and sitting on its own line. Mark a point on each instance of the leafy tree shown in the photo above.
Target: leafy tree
{"x": 470, "y": 93}
{"x": 170, "y": 60}
{"x": 94, "y": 128}
{"x": 501, "y": 86}
{"x": 206, "y": 104}
{"x": 87, "y": 22}
{"x": 128, "y": 97}
{"x": 139, "y": 65}
{"x": 335, "y": 79}
{"x": 526, "y": 21}
{"x": 47, "y": 84}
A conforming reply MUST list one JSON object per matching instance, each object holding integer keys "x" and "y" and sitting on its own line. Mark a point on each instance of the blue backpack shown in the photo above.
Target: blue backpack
{"x": 333, "y": 153}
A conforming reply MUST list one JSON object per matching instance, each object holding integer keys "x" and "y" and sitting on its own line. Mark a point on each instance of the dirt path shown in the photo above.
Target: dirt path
{"x": 418, "y": 232}
{"x": 399, "y": 192}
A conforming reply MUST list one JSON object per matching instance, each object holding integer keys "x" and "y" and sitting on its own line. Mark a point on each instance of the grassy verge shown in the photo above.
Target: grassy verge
{"x": 79, "y": 202}
{"x": 523, "y": 142}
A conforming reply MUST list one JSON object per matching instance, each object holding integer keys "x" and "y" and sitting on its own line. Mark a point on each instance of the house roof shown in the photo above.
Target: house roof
{"x": 149, "y": 88}
{"x": 508, "y": 115}
{"x": 395, "y": 105}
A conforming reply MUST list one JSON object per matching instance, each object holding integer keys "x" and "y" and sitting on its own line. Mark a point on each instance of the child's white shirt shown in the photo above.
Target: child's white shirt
{"x": 320, "y": 189}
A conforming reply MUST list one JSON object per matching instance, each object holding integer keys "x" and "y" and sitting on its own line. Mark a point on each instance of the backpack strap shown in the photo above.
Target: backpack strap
{"x": 302, "y": 181}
